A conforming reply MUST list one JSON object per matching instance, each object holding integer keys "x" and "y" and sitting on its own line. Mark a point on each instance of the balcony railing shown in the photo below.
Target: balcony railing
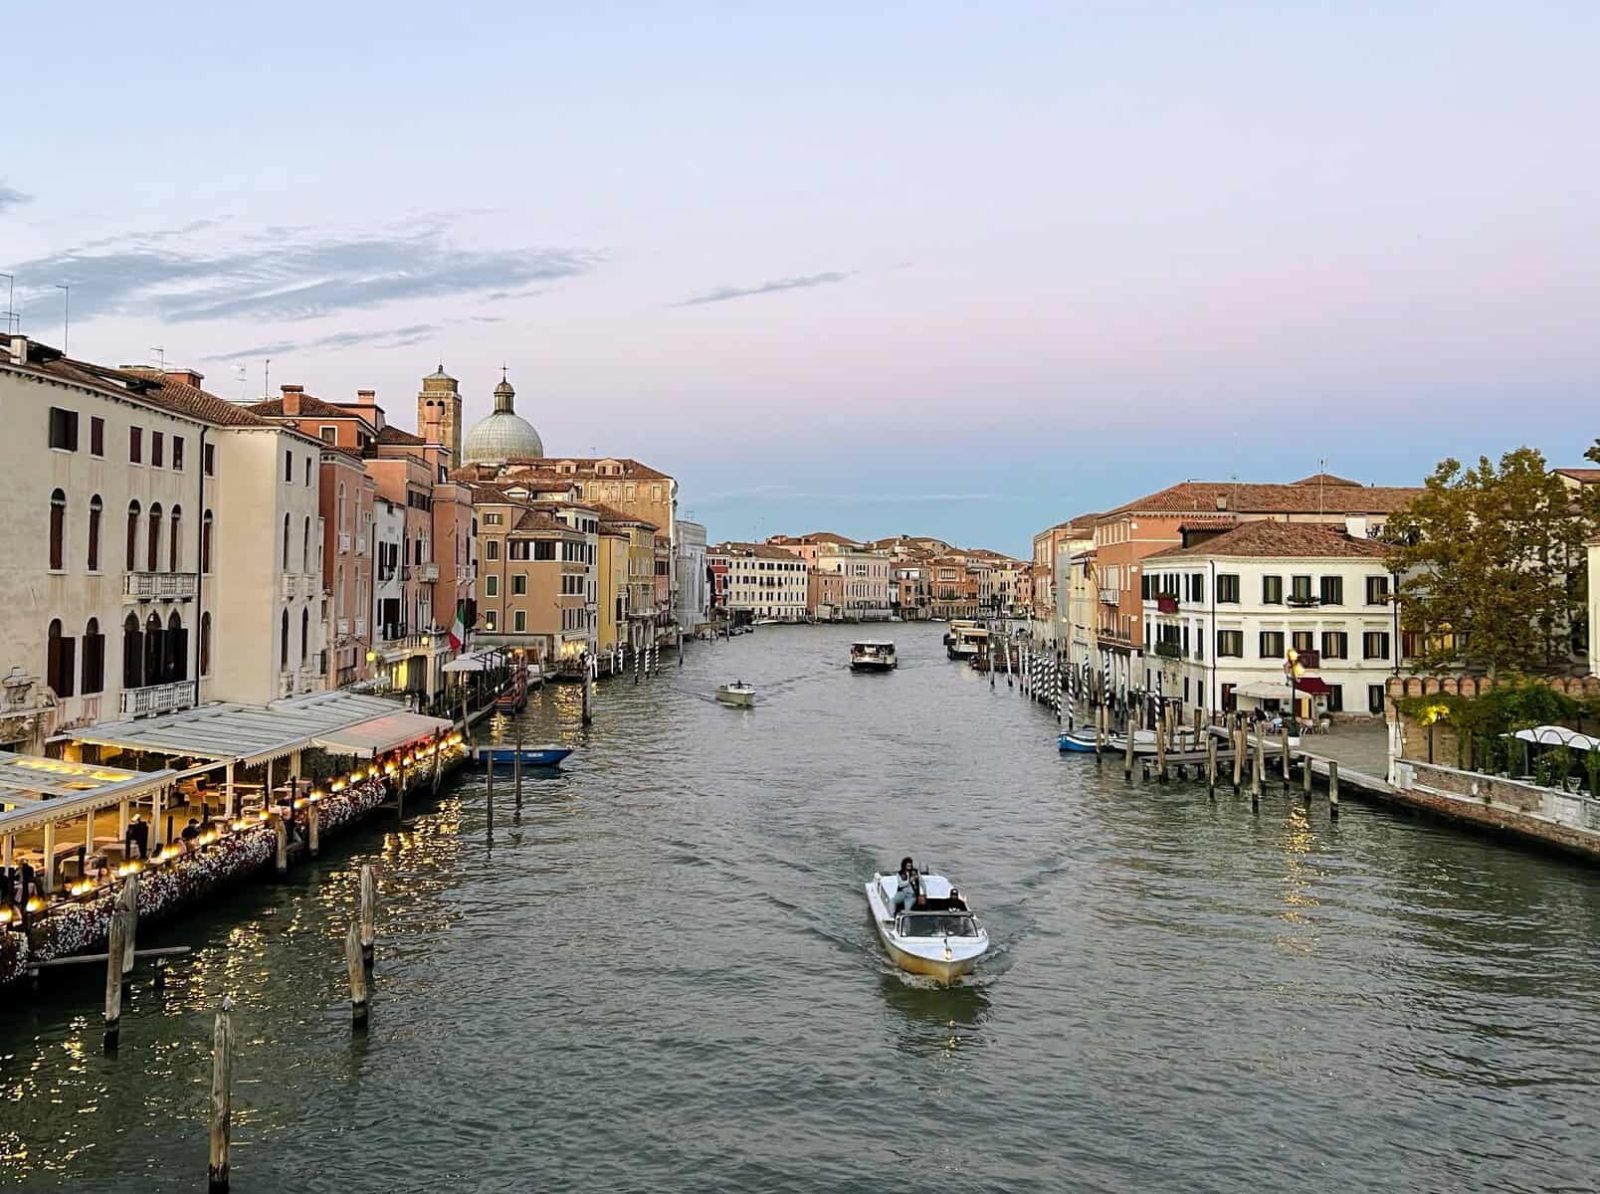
{"x": 342, "y": 626}
{"x": 157, "y": 698}
{"x": 344, "y": 543}
{"x": 1169, "y": 650}
{"x": 361, "y": 628}
{"x": 361, "y": 545}
{"x": 1303, "y": 600}
{"x": 428, "y": 572}
{"x": 1111, "y": 596}
{"x": 159, "y": 586}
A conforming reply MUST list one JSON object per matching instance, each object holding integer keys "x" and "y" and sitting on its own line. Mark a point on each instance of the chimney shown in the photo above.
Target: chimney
{"x": 367, "y": 397}
{"x": 1355, "y": 525}
{"x": 291, "y": 399}
{"x": 19, "y": 350}
{"x": 185, "y": 377}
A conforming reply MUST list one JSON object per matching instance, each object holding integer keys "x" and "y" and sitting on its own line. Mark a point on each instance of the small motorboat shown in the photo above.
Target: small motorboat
{"x": 942, "y": 940}
{"x": 738, "y": 694}
{"x": 1081, "y": 741}
{"x": 873, "y": 655}
{"x": 532, "y": 756}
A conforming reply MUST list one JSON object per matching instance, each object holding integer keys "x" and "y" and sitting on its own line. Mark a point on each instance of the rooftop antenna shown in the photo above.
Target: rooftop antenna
{"x": 1322, "y": 480}
{"x": 161, "y": 356}
{"x": 266, "y": 381}
{"x": 66, "y": 313}
{"x": 13, "y": 320}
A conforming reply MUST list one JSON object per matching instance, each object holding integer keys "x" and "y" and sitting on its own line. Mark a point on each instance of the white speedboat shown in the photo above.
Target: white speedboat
{"x": 943, "y": 940}
{"x": 738, "y": 694}
{"x": 873, "y": 655}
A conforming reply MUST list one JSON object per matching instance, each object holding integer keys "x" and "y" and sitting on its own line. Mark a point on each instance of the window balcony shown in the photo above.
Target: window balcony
{"x": 428, "y": 572}
{"x": 342, "y": 626}
{"x": 1302, "y": 601}
{"x": 361, "y": 628}
{"x": 1169, "y": 650}
{"x": 159, "y": 586}
{"x": 157, "y": 698}
{"x": 1111, "y": 596}
{"x": 344, "y": 543}
{"x": 361, "y": 545}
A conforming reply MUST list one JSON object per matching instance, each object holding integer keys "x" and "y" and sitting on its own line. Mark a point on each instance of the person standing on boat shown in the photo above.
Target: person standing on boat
{"x": 906, "y": 895}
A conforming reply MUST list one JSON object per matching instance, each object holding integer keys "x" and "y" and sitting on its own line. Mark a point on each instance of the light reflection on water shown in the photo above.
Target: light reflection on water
{"x": 658, "y": 971}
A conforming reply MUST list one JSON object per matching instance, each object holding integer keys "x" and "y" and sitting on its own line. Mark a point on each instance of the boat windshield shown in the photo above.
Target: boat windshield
{"x": 937, "y": 924}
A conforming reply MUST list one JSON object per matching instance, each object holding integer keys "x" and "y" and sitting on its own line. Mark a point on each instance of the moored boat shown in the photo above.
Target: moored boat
{"x": 738, "y": 694}
{"x": 966, "y": 641}
{"x": 942, "y": 939}
{"x": 532, "y": 756}
{"x": 1081, "y": 741}
{"x": 873, "y": 655}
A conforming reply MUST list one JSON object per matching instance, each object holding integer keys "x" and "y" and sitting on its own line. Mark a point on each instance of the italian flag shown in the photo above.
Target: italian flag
{"x": 458, "y": 628}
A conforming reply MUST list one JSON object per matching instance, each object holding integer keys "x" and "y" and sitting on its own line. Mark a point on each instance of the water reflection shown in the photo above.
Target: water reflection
{"x": 931, "y": 1018}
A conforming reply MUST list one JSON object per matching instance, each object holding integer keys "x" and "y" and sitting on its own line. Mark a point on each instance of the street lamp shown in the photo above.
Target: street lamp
{"x": 1292, "y": 671}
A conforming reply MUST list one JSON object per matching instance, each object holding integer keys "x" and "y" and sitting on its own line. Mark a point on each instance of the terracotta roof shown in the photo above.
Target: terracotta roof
{"x": 587, "y": 464}
{"x": 1324, "y": 479}
{"x": 143, "y": 384}
{"x": 393, "y": 435}
{"x": 762, "y": 551}
{"x": 1264, "y": 538}
{"x": 540, "y": 520}
{"x": 1583, "y": 476}
{"x": 1326, "y": 498}
{"x": 311, "y": 407}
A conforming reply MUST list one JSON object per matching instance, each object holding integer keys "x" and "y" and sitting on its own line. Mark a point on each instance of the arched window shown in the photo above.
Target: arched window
{"x": 305, "y": 547}
{"x": 153, "y": 543}
{"x": 283, "y": 641}
{"x": 286, "y": 543}
{"x": 132, "y": 562}
{"x": 175, "y": 555}
{"x": 58, "y": 531}
{"x": 60, "y": 660}
{"x": 205, "y": 543}
{"x": 94, "y": 658}
{"x": 205, "y": 643}
{"x": 154, "y": 641}
{"x": 132, "y": 653}
{"x": 305, "y": 636}
{"x": 95, "y": 508}
{"x": 176, "y": 661}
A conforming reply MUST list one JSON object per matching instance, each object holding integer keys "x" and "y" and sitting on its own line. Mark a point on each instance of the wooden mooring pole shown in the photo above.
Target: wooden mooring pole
{"x": 1237, "y": 740}
{"x": 357, "y": 970}
{"x": 588, "y": 692}
{"x": 1287, "y": 773}
{"x": 369, "y": 913}
{"x": 1305, "y": 775}
{"x": 516, "y": 770}
{"x": 115, "y": 950}
{"x": 128, "y": 901}
{"x": 1127, "y": 757}
{"x": 281, "y": 858}
{"x": 221, "y": 1098}
{"x": 1257, "y": 767}
{"x": 1211, "y": 766}
{"x": 1333, "y": 789}
{"x": 314, "y": 827}
{"x": 1162, "y": 731}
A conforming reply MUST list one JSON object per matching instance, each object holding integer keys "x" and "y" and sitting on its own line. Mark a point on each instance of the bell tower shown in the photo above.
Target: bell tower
{"x": 439, "y": 413}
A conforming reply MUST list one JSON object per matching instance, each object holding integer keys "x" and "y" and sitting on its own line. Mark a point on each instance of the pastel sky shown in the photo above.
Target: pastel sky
{"x": 931, "y": 267}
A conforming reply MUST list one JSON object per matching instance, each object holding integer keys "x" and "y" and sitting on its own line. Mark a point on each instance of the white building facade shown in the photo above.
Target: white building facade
{"x": 145, "y": 573}
{"x": 1223, "y": 615}
{"x": 765, "y": 582}
{"x": 689, "y": 566}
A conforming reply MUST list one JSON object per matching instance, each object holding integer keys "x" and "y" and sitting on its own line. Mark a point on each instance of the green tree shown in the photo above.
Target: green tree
{"x": 1491, "y": 563}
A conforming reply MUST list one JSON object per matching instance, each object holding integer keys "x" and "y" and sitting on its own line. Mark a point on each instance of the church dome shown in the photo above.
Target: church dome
{"x": 503, "y": 435}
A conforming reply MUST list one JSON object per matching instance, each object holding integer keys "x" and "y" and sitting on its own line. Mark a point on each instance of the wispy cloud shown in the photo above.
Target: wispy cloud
{"x": 787, "y": 493}
{"x": 402, "y": 337}
{"x": 727, "y": 293}
{"x": 297, "y": 274}
{"x": 10, "y": 197}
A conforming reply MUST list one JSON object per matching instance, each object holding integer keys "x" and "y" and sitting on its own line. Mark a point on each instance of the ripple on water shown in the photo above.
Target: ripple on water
{"x": 659, "y": 973}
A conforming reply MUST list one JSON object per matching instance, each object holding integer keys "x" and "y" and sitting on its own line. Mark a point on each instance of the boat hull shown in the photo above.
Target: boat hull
{"x": 936, "y": 960}
{"x": 505, "y": 756}
{"x": 871, "y": 665}
{"x": 736, "y": 700}
{"x": 1072, "y": 744}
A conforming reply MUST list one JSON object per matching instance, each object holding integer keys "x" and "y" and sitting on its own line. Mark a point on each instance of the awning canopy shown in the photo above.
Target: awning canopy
{"x": 474, "y": 661}
{"x": 1557, "y": 736}
{"x": 56, "y": 790}
{"x": 247, "y": 734}
{"x": 1312, "y": 686}
{"x": 1262, "y": 690}
{"x": 369, "y": 738}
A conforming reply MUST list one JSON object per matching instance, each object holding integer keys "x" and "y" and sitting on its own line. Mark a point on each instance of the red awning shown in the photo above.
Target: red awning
{"x": 1312, "y": 686}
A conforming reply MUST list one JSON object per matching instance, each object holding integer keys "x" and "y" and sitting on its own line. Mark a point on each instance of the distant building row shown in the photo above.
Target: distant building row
{"x": 826, "y": 577}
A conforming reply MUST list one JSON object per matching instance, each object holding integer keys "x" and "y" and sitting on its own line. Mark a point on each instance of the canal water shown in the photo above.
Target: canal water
{"x": 658, "y": 974}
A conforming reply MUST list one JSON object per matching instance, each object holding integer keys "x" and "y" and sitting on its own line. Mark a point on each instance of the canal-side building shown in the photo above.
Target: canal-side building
{"x": 693, "y": 580}
{"x": 538, "y": 576}
{"x": 913, "y": 591}
{"x": 171, "y": 558}
{"x": 1223, "y": 612}
{"x": 1125, "y": 536}
{"x": 764, "y": 582}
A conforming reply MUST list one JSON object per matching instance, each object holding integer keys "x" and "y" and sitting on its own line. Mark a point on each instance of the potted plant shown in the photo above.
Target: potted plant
{"x": 1591, "y": 759}
{"x": 1561, "y": 762}
{"x": 1542, "y": 771}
